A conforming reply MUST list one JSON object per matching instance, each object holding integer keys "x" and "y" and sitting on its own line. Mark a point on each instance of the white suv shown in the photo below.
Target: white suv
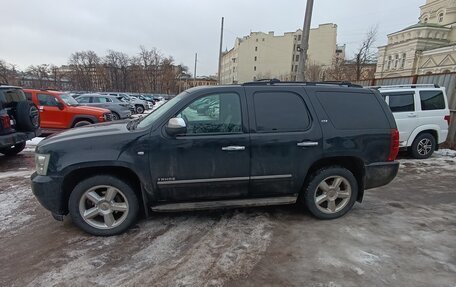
{"x": 422, "y": 116}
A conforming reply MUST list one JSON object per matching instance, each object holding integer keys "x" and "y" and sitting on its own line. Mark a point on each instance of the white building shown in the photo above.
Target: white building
{"x": 265, "y": 55}
{"x": 427, "y": 47}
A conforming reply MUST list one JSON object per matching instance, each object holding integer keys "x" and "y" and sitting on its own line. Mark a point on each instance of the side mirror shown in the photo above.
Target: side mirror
{"x": 60, "y": 106}
{"x": 176, "y": 126}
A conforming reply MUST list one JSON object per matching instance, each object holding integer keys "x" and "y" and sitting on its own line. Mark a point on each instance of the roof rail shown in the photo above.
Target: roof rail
{"x": 409, "y": 86}
{"x": 277, "y": 81}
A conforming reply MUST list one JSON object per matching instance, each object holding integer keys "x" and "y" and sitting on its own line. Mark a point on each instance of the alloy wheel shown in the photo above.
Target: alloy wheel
{"x": 332, "y": 194}
{"x": 424, "y": 146}
{"x": 103, "y": 207}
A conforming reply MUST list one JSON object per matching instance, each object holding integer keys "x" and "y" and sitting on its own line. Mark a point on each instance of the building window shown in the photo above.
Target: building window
{"x": 254, "y": 68}
{"x": 403, "y": 60}
{"x": 298, "y": 48}
{"x": 297, "y": 58}
{"x": 296, "y": 68}
{"x": 234, "y": 69}
{"x": 441, "y": 17}
{"x": 425, "y": 20}
{"x": 396, "y": 61}
{"x": 299, "y": 37}
{"x": 389, "y": 62}
{"x": 263, "y": 39}
{"x": 255, "y": 58}
{"x": 256, "y": 49}
{"x": 292, "y": 66}
{"x": 256, "y": 40}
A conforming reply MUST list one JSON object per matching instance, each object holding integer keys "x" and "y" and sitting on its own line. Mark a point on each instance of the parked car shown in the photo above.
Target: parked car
{"x": 19, "y": 120}
{"x": 149, "y": 102}
{"x": 60, "y": 111}
{"x": 271, "y": 143}
{"x": 119, "y": 109}
{"x": 139, "y": 106}
{"x": 422, "y": 116}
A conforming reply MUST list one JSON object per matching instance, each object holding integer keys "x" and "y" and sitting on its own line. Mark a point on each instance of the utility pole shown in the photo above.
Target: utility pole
{"x": 194, "y": 74}
{"x": 304, "y": 42}
{"x": 220, "y": 54}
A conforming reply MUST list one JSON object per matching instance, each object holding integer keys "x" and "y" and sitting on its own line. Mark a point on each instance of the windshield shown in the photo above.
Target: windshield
{"x": 152, "y": 117}
{"x": 69, "y": 100}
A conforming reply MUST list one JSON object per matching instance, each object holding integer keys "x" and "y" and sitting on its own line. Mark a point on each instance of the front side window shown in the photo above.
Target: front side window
{"x": 213, "y": 114}
{"x": 432, "y": 100}
{"x": 83, "y": 100}
{"x": 47, "y": 100}
{"x": 280, "y": 112}
{"x": 402, "y": 102}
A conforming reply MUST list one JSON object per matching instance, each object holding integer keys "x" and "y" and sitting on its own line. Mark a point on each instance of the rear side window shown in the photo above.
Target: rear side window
{"x": 402, "y": 102}
{"x": 8, "y": 96}
{"x": 353, "y": 111}
{"x": 280, "y": 112}
{"x": 432, "y": 100}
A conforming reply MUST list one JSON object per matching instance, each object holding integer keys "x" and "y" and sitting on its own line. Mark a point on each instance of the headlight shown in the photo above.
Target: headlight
{"x": 42, "y": 163}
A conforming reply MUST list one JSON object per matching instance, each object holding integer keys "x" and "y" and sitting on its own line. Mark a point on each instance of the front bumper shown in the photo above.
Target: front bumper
{"x": 48, "y": 191}
{"x": 17, "y": 137}
{"x": 379, "y": 174}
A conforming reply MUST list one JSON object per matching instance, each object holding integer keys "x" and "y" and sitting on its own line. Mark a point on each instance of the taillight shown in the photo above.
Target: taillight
{"x": 447, "y": 118}
{"x": 6, "y": 122}
{"x": 394, "y": 145}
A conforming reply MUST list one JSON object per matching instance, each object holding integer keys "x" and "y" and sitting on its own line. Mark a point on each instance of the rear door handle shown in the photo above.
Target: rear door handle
{"x": 233, "y": 148}
{"x": 412, "y": 115}
{"x": 307, "y": 144}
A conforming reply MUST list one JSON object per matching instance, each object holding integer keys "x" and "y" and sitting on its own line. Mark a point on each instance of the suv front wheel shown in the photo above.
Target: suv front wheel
{"x": 331, "y": 192}
{"x": 103, "y": 205}
{"x": 423, "y": 146}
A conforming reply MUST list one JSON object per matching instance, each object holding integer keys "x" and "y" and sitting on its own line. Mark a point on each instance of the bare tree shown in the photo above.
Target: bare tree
{"x": 85, "y": 71}
{"x": 365, "y": 55}
{"x": 8, "y": 73}
{"x": 314, "y": 72}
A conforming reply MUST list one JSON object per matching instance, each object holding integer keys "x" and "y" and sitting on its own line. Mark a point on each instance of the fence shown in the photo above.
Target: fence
{"x": 447, "y": 80}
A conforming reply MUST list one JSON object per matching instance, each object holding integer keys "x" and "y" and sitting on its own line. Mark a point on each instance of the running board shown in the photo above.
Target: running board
{"x": 204, "y": 205}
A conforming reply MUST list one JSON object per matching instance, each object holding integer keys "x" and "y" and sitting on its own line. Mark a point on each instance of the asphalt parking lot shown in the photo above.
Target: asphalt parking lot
{"x": 403, "y": 234}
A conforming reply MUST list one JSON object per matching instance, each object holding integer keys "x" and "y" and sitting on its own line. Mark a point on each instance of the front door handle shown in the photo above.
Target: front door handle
{"x": 233, "y": 148}
{"x": 307, "y": 144}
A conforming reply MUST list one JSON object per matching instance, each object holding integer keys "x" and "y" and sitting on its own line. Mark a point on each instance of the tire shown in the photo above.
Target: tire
{"x": 139, "y": 109}
{"x": 13, "y": 150}
{"x": 104, "y": 219}
{"x": 423, "y": 146}
{"x": 341, "y": 182}
{"x": 115, "y": 116}
{"x": 81, "y": 123}
{"x": 27, "y": 117}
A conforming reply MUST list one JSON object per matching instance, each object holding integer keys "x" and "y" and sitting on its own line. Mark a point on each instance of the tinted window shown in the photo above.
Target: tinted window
{"x": 401, "y": 102}
{"x": 353, "y": 111}
{"x": 83, "y": 100}
{"x": 432, "y": 100}
{"x": 218, "y": 113}
{"x": 280, "y": 112}
{"x": 47, "y": 100}
{"x": 100, "y": 100}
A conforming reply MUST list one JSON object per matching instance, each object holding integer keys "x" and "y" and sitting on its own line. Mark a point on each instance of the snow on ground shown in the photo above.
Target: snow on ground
{"x": 441, "y": 160}
{"x": 13, "y": 210}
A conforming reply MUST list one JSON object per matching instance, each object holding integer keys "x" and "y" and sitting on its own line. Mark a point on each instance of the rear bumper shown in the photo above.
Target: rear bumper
{"x": 379, "y": 174}
{"x": 17, "y": 137}
{"x": 49, "y": 193}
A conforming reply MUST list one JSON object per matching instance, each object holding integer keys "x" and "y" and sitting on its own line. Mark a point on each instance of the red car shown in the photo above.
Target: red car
{"x": 59, "y": 111}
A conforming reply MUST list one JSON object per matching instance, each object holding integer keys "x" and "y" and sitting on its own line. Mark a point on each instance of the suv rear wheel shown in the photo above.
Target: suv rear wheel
{"x": 423, "y": 146}
{"x": 115, "y": 116}
{"x": 331, "y": 192}
{"x": 13, "y": 150}
{"x": 103, "y": 205}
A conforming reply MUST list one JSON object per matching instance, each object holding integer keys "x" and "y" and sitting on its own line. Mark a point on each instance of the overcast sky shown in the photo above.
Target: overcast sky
{"x": 48, "y": 31}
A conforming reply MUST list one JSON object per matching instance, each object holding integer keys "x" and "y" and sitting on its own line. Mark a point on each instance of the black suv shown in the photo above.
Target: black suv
{"x": 260, "y": 143}
{"x": 19, "y": 120}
